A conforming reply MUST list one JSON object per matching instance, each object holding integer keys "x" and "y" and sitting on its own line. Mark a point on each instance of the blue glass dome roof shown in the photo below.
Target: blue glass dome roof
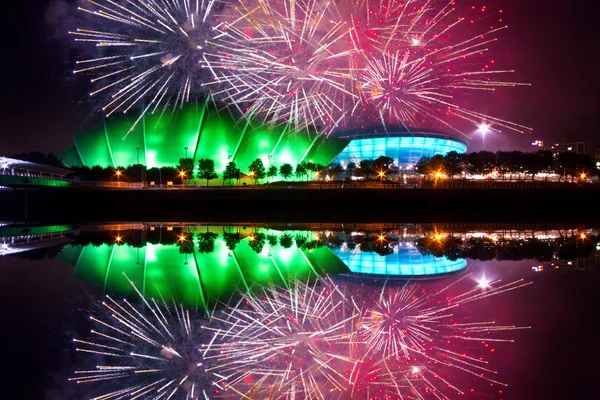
{"x": 405, "y": 262}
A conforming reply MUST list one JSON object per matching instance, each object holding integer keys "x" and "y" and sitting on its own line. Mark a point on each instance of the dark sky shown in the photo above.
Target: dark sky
{"x": 552, "y": 46}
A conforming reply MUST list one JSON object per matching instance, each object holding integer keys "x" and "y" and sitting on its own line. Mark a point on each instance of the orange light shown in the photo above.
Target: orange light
{"x": 583, "y": 175}
{"x": 118, "y": 238}
{"x": 251, "y": 173}
{"x": 182, "y": 238}
{"x": 118, "y": 172}
{"x": 583, "y": 236}
{"x": 251, "y": 238}
{"x": 181, "y": 173}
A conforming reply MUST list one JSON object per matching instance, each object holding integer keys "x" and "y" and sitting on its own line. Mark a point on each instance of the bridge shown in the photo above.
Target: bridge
{"x": 18, "y": 174}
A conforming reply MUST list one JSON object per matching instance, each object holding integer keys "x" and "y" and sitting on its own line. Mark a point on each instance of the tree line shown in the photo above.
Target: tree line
{"x": 508, "y": 164}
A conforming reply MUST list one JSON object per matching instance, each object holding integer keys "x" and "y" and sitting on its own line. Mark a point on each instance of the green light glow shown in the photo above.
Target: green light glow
{"x": 198, "y": 279}
{"x": 163, "y": 137}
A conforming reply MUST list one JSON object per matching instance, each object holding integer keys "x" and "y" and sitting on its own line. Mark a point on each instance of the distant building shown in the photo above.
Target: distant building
{"x": 538, "y": 143}
{"x": 590, "y": 149}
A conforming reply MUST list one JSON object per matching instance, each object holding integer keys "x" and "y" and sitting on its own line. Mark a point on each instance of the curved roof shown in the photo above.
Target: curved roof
{"x": 394, "y": 131}
{"x": 196, "y": 131}
{"x": 406, "y": 262}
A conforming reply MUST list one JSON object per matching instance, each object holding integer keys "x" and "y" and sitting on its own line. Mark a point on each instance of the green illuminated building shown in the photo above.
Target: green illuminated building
{"x": 196, "y": 131}
{"x": 197, "y": 279}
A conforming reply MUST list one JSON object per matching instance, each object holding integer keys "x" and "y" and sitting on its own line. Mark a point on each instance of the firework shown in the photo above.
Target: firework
{"x": 287, "y": 344}
{"x": 148, "y": 53}
{"x": 149, "y": 352}
{"x": 418, "y": 340}
{"x": 421, "y": 64}
{"x": 287, "y": 62}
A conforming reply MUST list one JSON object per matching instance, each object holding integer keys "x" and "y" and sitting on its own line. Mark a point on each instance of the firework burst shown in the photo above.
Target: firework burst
{"x": 287, "y": 62}
{"x": 148, "y": 53}
{"x": 147, "y": 353}
{"x": 422, "y": 65}
{"x": 287, "y": 344}
{"x": 417, "y": 340}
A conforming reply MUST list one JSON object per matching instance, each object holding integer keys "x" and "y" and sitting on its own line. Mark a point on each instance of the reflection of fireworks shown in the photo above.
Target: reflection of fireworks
{"x": 288, "y": 61}
{"x": 147, "y": 50}
{"x": 151, "y": 355}
{"x": 289, "y": 343}
{"x": 417, "y": 341}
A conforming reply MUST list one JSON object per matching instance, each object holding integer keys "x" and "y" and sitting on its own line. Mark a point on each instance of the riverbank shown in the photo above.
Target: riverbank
{"x": 269, "y": 204}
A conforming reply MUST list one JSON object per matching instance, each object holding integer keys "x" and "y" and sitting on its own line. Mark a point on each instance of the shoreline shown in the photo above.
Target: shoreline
{"x": 449, "y": 205}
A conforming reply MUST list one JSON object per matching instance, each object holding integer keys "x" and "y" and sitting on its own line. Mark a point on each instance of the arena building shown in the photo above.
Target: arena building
{"x": 196, "y": 131}
{"x": 405, "y": 146}
{"x": 199, "y": 131}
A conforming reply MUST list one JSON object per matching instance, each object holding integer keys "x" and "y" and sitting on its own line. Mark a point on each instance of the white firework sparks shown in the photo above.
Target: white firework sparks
{"x": 421, "y": 63}
{"x": 150, "y": 53}
{"x": 149, "y": 352}
{"x": 417, "y": 340}
{"x": 287, "y": 62}
{"x": 288, "y": 344}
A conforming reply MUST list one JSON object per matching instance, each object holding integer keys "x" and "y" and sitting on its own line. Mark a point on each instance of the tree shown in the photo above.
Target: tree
{"x": 453, "y": 164}
{"x": 286, "y": 170}
{"x": 231, "y": 172}
{"x": 318, "y": 169}
{"x": 257, "y": 169}
{"x": 301, "y": 170}
{"x": 350, "y": 168}
{"x": 335, "y": 170}
{"x": 187, "y": 166}
{"x": 272, "y": 172}
{"x": 488, "y": 161}
{"x": 532, "y": 164}
{"x": 206, "y": 169}
{"x": 365, "y": 168}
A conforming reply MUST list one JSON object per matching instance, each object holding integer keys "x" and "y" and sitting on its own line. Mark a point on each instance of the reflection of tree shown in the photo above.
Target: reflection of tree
{"x": 272, "y": 240}
{"x": 286, "y": 241}
{"x": 231, "y": 240}
{"x": 257, "y": 242}
{"x": 571, "y": 247}
{"x": 488, "y": 248}
{"x": 206, "y": 242}
{"x": 186, "y": 246}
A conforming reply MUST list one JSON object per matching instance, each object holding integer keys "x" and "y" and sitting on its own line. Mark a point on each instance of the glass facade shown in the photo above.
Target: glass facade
{"x": 405, "y": 150}
{"x": 406, "y": 261}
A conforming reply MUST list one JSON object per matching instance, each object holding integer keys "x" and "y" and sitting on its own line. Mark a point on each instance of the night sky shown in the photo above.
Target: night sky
{"x": 554, "y": 47}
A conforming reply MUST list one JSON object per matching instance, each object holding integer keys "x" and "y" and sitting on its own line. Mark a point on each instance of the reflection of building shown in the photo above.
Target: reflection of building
{"x": 405, "y": 262}
{"x": 195, "y": 279}
{"x": 405, "y": 147}
{"x": 197, "y": 132}
{"x": 15, "y": 239}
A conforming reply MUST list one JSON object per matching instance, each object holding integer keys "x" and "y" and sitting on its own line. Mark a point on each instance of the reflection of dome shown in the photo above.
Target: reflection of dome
{"x": 195, "y": 279}
{"x": 196, "y": 132}
{"x": 405, "y": 262}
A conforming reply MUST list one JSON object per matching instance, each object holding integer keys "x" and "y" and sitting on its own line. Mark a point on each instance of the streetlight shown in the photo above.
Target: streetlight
{"x": 252, "y": 176}
{"x": 483, "y": 129}
{"x": 381, "y": 175}
{"x": 118, "y": 173}
{"x": 186, "y": 149}
{"x": 182, "y": 174}
{"x": 138, "y": 154}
